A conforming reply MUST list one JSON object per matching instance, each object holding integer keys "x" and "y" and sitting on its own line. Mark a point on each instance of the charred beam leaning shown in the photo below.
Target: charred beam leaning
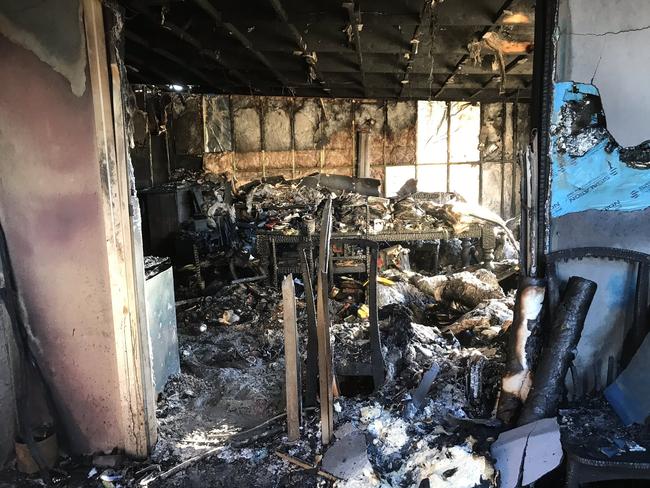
{"x": 309, "y": 57}
{"x": 523, "y": 348}
{"x": 326, "y": 377}
{"x": 243, "y": 40}
{"x": 465, "y": 57}
{"x": 354, "y": 16}
{"x": 375, "y": 339}
{"x": 292, "y": 359}
{"x": 546, "y": 391}
{"x": 312, "y": 334}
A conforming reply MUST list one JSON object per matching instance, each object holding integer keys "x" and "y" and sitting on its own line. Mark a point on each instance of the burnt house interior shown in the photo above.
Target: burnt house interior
{"x": 286, "y": 243}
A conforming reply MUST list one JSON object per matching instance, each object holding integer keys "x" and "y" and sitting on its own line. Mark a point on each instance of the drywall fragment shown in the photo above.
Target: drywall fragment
{"x": 525, "y": 454}
{"x": 348, "y": 458}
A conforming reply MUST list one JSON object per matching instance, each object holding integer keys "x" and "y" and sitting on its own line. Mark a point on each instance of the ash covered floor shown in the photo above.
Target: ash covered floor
{"x": 231, "y": 346}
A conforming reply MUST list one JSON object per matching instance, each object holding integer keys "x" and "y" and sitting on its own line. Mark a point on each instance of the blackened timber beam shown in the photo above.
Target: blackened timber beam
{"x": 415, "y": 43}
{"x": 506, "y": 5}
{"x": 311, "y": 61}
{"x": 242, "y": 39}
{"x": 354, "y": 16}
{"x": 184, "y": 36}
{"x": 169, "y": 56}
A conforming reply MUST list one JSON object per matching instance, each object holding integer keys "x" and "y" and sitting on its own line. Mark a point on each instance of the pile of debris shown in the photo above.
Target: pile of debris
{"x": 281, "y": 206}
{"x": 231, "y": 346}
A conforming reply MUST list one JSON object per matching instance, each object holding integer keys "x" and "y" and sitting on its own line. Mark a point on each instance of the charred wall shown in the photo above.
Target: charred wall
{"x": 51, "y": 194}
{"x": 250, "y": 137}
{"x": 598, "y": 43}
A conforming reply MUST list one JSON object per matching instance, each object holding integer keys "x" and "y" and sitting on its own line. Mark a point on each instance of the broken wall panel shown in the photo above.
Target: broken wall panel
{"x": 491, "y": 131}
{"x": 216, "y": 124}
{"x": 247, "y": 123}
{"x": 401, "y": 121}
{"x": 57, "y": 234}
{"x": 187, "y": 113}
{"x": 306, "y": 124}
{"x": 277, "y": 124}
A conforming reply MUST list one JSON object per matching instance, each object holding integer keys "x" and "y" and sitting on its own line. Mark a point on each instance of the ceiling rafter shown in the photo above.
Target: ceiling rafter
{"x": 184, "y": 36}
{"x": 242, "y": 39}
{"x": 415, "y": 44}
{"x": 354, "y": 16}
{"x": 504, "y": 7}
{"x": 170, "y": 57}
{"x": 310, "y": 57}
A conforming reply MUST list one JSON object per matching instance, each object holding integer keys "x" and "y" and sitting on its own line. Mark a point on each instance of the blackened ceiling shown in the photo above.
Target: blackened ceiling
{"x": 360, "y": 49}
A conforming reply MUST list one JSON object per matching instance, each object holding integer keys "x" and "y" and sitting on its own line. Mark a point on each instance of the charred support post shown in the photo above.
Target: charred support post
{"x": 375, "y": 339}
{"x": 326, "y": 378}
{"x": 312, "y": 334}
{"x": 291, "y": 359}
{"x": 523, "y": 348}
{"x": 544, "y": 398}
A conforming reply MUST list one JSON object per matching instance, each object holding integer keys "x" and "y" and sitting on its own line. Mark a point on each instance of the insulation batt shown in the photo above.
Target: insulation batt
{"x": 467, "y": 288}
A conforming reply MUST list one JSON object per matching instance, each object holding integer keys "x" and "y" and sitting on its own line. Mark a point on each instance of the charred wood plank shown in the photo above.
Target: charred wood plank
{"x": 326, "y": 377}
{"x": 312, "y": 334}
{"x": 291, "y": 359}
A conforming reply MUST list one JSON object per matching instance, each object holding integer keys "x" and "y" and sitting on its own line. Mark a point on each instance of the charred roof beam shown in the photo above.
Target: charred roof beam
{"x": 415, "y": 44}
{"x": 310, "y": 57}
{"x": 171, "y": 57}
{"x": 354, "y": 16}
{"x": 504, "y": 7}
{"x": 184, "y": 36}
{"x": 242, "y": 39}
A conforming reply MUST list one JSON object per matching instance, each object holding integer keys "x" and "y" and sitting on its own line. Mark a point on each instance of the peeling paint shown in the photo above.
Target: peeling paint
{"x": 63, "y": 48}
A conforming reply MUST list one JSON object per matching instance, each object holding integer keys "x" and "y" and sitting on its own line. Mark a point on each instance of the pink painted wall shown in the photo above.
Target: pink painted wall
{"x": 50, "y": 208}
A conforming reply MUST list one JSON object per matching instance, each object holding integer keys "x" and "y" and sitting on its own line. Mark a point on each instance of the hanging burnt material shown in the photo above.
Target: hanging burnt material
{"x": 523, "y": 348}
{"x": 546, "y": 391}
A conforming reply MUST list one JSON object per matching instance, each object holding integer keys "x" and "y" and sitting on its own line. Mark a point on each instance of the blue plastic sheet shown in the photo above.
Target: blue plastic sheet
{"x": 587, "y": 171}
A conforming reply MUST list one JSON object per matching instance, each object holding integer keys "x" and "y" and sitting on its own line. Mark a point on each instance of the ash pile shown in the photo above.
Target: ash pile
{"x": 443, "y": 340}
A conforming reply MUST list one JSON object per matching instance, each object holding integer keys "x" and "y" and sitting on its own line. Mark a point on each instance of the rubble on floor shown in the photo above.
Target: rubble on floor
{"x": 281, "y": 205}
{"x": 233, "y": 376}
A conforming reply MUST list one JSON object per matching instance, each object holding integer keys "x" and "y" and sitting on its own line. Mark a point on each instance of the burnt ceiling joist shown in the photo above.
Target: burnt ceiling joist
{"x": 477, "y": 50}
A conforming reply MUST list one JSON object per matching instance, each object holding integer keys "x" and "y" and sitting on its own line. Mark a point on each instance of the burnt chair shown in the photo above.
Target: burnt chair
{"x": 585, "y": 463}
